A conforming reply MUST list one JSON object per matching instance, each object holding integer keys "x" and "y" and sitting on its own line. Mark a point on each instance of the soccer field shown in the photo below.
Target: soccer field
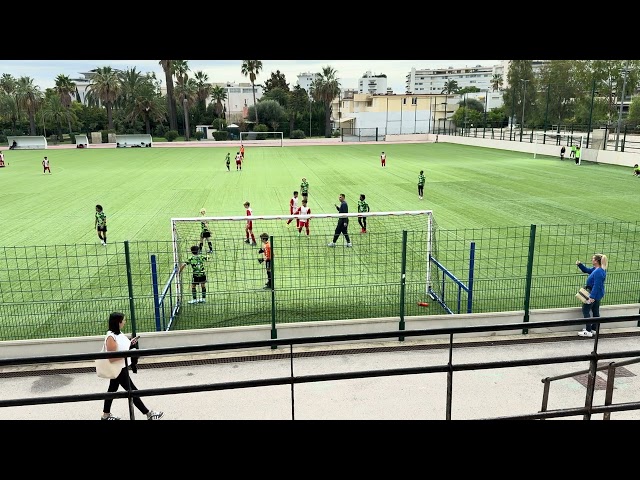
{"x": 46, "y": 217}
{"x": 142, "y": 189}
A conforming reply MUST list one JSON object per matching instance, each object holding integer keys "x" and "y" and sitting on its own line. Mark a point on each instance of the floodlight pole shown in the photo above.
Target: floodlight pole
{"x": 309, "y": 117}
{"x": 524, "y": 98}
{"x": 624, "y": 86}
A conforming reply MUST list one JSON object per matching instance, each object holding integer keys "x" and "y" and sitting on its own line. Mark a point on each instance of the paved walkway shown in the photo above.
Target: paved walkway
{"x": 476, "y": 394}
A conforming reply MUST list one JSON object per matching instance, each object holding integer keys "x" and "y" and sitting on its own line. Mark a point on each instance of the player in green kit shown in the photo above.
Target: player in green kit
{"x": 205, "y": 232}
{"x": 363, "y": 207}
{"x": 196, "y": 260}
{"x": 421, "y": 181}
{"x": 304, "y": 189}
{"x": 227, "y": 160}
{"x": 101, "y": 224}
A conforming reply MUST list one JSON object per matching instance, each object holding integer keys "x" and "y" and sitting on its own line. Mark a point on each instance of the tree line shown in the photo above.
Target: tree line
{"x": 132, "y": 101}
{"x": 563, "y": 92}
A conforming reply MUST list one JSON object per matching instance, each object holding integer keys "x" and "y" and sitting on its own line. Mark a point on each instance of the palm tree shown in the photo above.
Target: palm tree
{"x": 204, "y": 88}
{"x": 496, "y": 82}
{"x": 53, "y": 110}
{"x": 251, "y": 69}
{"x": 8, "y": 83}
{"x": 451, "y": 86}
{"x": 324, "y": 89}
{"x": 65, "y": 88}
{"x": 8, "y": 101}
{"x": 106, "y": 86}
{"x": 148, "y": 104}
{"x": 181, "y": 71}
{"x": 188, "y": 94}
{"x": 167, "y": 67}
{"x": 218, "y": 95}
{"x": 28, "y": 97}
{"x": 130, "y": 81}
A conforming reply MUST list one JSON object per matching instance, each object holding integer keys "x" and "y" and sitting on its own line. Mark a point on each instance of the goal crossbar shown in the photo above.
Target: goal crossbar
{"x": 311, "y": 216}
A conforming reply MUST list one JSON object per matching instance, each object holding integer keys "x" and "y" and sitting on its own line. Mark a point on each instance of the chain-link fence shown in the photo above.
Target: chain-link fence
{"x": 69, "y": 290}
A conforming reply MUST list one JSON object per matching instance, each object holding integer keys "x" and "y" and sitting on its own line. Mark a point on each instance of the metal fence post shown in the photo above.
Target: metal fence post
{"x": 403, "y": 278}
{"x": 132, "y": 311}
{"x": 527, "y": 287}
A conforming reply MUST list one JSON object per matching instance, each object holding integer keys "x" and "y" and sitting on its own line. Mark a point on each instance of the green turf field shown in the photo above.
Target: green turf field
{"x": 47, "y": 218}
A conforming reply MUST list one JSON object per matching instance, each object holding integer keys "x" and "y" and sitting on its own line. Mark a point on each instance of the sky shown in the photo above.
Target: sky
{"x": 349, "y": 72}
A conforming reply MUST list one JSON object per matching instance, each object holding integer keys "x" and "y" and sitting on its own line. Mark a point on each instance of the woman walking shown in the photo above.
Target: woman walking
{"x": 118, "y": 341}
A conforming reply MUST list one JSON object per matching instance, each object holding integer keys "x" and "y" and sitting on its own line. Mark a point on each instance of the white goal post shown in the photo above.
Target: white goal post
{"x": 234, "y": 259}
{"x": 262, "y": 138}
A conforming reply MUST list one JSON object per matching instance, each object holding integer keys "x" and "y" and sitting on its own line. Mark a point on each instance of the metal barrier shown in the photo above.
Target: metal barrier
{"x": 449, "y": 368}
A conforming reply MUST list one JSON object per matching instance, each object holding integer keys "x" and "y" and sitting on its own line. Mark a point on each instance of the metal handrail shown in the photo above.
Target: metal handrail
{"x": 611, "y": 376}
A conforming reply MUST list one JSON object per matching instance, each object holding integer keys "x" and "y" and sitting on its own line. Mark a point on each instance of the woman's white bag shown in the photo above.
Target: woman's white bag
{"x": 105, "y": 368}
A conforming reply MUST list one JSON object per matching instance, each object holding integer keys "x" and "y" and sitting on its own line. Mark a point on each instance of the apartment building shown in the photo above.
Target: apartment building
{"x": 373, "y": 84}
{"x": 434, "y": 80}
{"x": 393, "y": 114}
{"x": 306, "y": 79}
{"x": 239, "y": 99}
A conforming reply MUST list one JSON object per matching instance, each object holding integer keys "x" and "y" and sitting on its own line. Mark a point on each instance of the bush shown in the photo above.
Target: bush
{"x": 221, "y": 136}
{"x": 160, "y": 130}
{"x": 261, "y": 127}
{"x": 199, "y": 134}
{"x": 171, "y": 135}
{"x": 296, "y": 134}
{"x": 335, "y": 133}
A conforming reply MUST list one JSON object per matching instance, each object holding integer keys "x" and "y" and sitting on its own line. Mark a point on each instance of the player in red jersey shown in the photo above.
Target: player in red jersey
{"x": 293, "y": 208}
{"x": 303, "y": 221}
{"x": 248, "y": 230}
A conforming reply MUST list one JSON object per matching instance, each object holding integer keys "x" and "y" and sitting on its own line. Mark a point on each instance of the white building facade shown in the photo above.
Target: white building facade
{"x": 306, "y": 79}
{"x": 372, "y": 84}
{"x": 432, "y": 81}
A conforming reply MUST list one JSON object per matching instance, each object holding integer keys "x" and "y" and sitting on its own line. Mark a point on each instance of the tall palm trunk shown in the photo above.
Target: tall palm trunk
{"x": 32, "y": 122}
{"x": 255, "y": 107}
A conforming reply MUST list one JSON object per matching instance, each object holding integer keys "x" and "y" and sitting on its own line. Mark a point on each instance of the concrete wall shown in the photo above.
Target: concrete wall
{"x": 601, "y": 156}
{"x": 92, "y": 344}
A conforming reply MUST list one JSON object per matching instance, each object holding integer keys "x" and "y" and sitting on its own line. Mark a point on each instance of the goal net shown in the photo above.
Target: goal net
{"x": 274, "y": 139}
{"x": 310, "y": 279}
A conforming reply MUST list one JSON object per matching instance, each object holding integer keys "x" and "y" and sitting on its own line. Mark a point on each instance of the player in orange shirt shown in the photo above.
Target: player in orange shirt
{"x": 265, "y": 251}
{"x": 248, "y": 230}
{"x": 242, "y": 151}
